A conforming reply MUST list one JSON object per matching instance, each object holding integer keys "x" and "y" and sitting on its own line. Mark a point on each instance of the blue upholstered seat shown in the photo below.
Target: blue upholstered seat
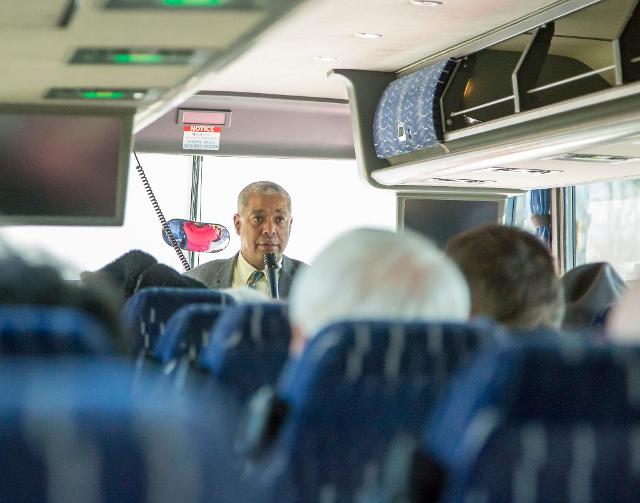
{"x": 48, "y": 330}
{"x": 187, "y": 332}
{"x": 248, "y": 346}
{"x": 148, "y": 310}
{"x": 354, "y": 386}
{"x": 72, "y": 431}
{"x": 542, "y": 422}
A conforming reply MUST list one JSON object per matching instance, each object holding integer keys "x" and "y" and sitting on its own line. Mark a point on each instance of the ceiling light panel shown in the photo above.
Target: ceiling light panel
{"x": 368, "y": 35}
{"x": 136, "y": 56}
{"x": 426, "y": 3}
{"x": 184, "y": 4}
{"x": 101, "y": 94}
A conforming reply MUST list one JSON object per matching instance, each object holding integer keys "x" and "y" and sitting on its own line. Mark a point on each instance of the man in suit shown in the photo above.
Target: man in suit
{"x": 263, "y": 223}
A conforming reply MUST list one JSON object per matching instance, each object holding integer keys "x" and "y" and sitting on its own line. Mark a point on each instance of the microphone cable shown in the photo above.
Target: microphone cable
{"x": 160, "y": 215}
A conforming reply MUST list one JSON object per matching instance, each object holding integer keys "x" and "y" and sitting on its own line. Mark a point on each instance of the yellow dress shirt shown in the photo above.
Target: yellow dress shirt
{"x": 241, "y": 273}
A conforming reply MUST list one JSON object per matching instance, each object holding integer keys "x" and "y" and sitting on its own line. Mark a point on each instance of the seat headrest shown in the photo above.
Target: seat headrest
{"x": 51, "y": 331}
{"x": 588, "y": 290}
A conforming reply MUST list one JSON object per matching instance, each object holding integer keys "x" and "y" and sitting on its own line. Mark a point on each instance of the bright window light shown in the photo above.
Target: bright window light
{"x": 328, "y": 198}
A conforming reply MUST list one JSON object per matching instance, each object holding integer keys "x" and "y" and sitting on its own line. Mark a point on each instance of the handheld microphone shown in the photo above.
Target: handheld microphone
{"x": 270, "y": 268}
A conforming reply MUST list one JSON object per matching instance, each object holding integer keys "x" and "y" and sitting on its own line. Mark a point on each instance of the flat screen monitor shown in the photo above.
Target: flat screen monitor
{"x": 63, "y": 165}
{"x": 441, "y": 219}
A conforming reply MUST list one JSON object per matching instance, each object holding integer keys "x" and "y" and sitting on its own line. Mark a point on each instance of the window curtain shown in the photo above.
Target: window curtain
{"x": 541, "y": 214}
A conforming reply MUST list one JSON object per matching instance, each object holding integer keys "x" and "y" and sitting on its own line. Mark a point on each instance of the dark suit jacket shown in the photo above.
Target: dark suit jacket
{"x": 219, "y": 273}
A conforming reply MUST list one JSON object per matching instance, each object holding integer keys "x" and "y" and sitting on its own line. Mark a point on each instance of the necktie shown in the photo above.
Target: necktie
{"x": 254, "y": 278}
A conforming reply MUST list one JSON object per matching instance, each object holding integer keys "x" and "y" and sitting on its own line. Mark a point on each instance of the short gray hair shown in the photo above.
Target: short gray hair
{"x": 378, "y": 274}
{"x": 265, "y": 188}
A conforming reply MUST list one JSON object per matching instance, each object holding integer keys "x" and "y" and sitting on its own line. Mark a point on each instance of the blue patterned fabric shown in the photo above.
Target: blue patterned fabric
{"x": 148, "y": 310}
{"x": 408, "y": 118}
{"x": 45, "y": 330}
{"x": 542, "y": 422}
{"x": 187, "y": 332}
{"x": 355, "y": 385}
{"x": 72, "y": 431}
{"x": 249, "y": 346}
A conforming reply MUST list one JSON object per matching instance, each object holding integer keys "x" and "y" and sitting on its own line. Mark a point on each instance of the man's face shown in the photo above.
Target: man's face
{"x": 263, "y": 226}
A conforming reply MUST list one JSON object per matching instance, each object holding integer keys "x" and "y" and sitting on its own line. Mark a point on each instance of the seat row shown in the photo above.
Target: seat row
{"x": 184, "y": 331}
{"x": 376, "y": 411}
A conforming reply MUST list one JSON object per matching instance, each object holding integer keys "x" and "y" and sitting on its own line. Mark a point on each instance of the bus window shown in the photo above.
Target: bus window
{"x": 327, "y": 196}
{"x": 79, "y": 248}
{"x": 521, "y": 212}
{"x": 606, "y": 220}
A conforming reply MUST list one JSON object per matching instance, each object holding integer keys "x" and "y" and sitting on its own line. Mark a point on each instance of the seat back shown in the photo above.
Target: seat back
{"x": 72, "y": 431}
{"x": 49, "y": 330}
{"x": 541, "y": 422}
{"x": 589, "y": 289}
{"x": 186, "y": 335}
{"x": 248, "y": 346}
{"x": 354, "y": 386}
{"x": 148, "y": 310}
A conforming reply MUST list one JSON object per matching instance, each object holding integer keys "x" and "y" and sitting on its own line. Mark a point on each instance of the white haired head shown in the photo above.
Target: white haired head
{"x": 377, "y": 274}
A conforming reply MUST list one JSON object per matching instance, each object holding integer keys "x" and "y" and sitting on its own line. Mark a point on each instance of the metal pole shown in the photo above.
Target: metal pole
{"x": 196, "y": 207}
{"x": 558, "y": 231}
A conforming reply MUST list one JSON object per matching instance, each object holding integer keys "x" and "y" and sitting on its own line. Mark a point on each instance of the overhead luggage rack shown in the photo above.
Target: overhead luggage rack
{"x": 559, "y": 91}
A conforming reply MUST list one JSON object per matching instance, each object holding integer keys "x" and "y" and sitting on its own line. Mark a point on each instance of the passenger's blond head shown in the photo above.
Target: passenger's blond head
{"x": 377, "y": 274}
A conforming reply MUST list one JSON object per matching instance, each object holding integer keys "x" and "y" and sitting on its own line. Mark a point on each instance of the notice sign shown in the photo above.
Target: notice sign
{"x": 201, "y": 137}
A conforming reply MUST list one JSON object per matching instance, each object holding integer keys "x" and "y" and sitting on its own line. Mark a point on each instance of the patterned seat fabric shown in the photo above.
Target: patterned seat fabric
{"x": 541, "y": 422}
{"x": 72, "y": 431}
{"x": 148, "y": 310}
{"x": 45, "y": 330}
{"x": 248, "y": 346}
{"x": 187, "y": 332}
{"x": 407, "y": 118}
{"x": 356, "y": 385}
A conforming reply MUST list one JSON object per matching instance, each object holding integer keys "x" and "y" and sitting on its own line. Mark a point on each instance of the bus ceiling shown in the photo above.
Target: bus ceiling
{"x": 153, "y": 54}
{"x": 149, "y": 55}
{"x": 573, "y": 106}
{"x": 269, "y": 59}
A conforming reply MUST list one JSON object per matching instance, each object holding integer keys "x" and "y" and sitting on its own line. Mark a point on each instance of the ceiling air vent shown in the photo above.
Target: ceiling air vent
{"x": 102, "y": 94}
{"x": 137, "y": 56}
{"x": 599, "y": 158}
{"x": 520, "y": 171}
{"x": 458, "y": 181}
